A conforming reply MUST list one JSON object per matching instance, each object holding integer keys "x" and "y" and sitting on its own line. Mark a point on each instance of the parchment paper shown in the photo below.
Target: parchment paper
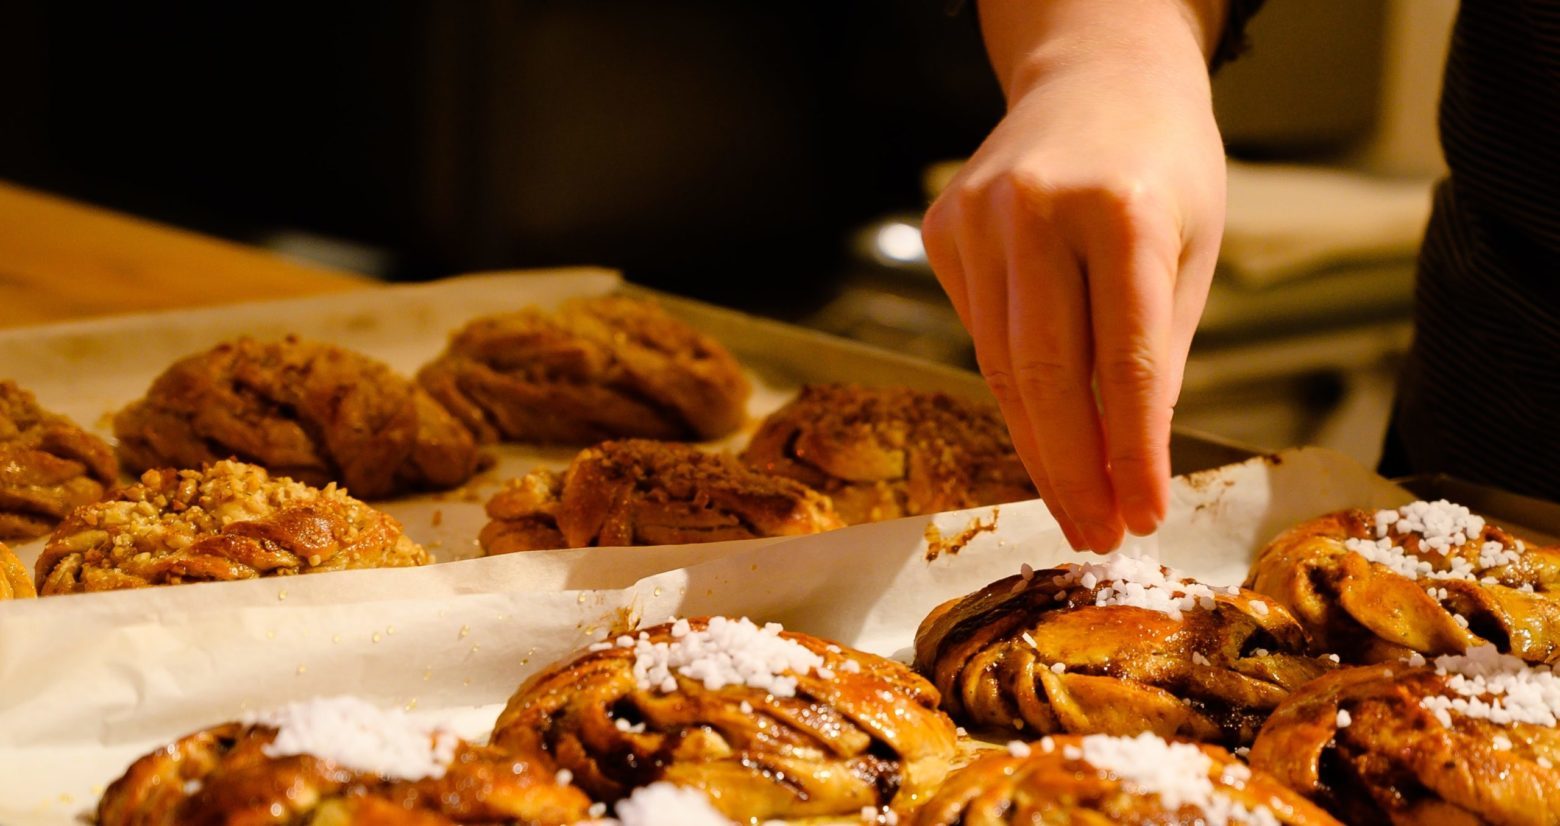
{"x": 89, "y": 682}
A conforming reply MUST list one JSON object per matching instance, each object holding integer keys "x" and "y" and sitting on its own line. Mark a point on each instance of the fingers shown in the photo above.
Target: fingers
{"x": 1051, "y": 358}
{"x": 1133, "y": 257}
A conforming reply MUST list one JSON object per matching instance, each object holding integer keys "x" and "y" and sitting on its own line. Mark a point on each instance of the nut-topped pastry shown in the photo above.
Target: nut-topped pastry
{"x": 1466, "y": 738}
{"x": 337, "y": 760}
{"x": 230, "y": 520}
{"x": 1115, "y": 646}
{"x": 15, "y": 582}
{"x": 48, "y": 465}
{"x": 1429, "y": 577}
{"x": 886, "y": 452}
{"x": 768, "y": 723}
{"x": 1099, "y": 779}
{"x": 643, "y": 492}
{"x": 302, "y": 409}
{"x": 598, "y": 368}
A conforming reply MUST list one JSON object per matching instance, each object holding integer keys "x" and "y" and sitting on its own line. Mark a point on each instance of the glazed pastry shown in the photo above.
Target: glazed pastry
{"x": 309, "y": 411}
{"x": 1429, "y": 577}
{"x": 1463, "y": 739}
{"x": 48, "y": 465}
{"x": 1118, "y": 646}
{"x": 1099, "y": 779}
{"x": 768, "y": 723}
{"x": 238, "y": 773}
{"x": 598, "y": 368}
{"x": 642, "y": 492}
{"x": 15, "y": 582}
{"x": 228, "y": 521}
{"x": 882, "y": 453}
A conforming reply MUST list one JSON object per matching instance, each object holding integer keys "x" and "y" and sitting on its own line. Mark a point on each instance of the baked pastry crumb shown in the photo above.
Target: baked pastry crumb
{"x": 597, "y": 368}
{"x": 302, "y": 409}
{"x": 643, "y": 492}
{"x": 886, "y": 452}
{"x": 48, "y": 465}
{"x": 227, "y": 521}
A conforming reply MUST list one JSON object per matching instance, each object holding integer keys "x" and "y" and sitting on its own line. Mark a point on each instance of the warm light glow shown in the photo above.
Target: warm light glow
{"x": 901, "y": 242}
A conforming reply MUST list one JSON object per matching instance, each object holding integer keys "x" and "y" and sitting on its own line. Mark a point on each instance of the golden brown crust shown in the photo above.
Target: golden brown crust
{"x": 302, "y": 409}
{"x": 15, "y": 582}
{"x": 221, "y": 775}
{"x": 228, "y": 521}
{"x": 870, "y": 735}
{"x": 1395, "y": 762}
{"x": 886, "y": 452}
{"x": 1366, "y": 612}
{"x": 1212, "y": 675}
{"x": 642, "y": 492}
{"x": 597, "y": 368}
{"x": 48, "y": 465}
{"x": 1048, "y": 786}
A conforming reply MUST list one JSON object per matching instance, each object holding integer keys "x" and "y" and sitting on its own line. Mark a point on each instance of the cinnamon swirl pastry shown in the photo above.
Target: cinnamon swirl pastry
{"x": 1463, "y": 739}
{"x": 310, "y": 411}
{"x": 15, "y": 582}
{"x": 886, "y": 452}
{"x": 642, "y": 492}
{"x": 1429, "y": 577}
{"x": 1118, "y": 646}
{"x": 228, "y": 521}
{"x": 48, "y": 465}
{"x": 1099, "y": 779}
{"x": 358, "y": 766}
{"x": 598, "y": 368}
{"x": 768, "y": 723}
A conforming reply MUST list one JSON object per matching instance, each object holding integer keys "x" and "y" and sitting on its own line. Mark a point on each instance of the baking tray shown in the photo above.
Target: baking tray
{"x": 88, "y": 682}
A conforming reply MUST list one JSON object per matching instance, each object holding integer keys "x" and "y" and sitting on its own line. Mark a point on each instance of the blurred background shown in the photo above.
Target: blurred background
{"x": 772, "y": 157}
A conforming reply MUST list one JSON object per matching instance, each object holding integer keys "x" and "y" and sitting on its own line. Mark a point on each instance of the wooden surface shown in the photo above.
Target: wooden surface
{"x": 64, "y": 260}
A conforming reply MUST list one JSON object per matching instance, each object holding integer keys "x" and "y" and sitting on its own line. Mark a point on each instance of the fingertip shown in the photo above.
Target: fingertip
{"x": 1143, "y": 512}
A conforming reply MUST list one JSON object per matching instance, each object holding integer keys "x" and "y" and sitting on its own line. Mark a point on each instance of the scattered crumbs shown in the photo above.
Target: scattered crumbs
{"x": 1018, "y": 724}
{"x": 438, "y": 517}
{"x": 390, "y": 630}
{"x": 303, "y": 669}
{"x": 281, "y": 596}
{"x": 375, "y": 638}
{"x": 464, "y": 630}
{"x": 411, "y": 704}
{"x": 581, "y": 599}
{"x": 476, "y": 648}
{"x": 656, "y": 592}
{"x": 427, "y": 673}
{"x": 937, "y": 544}
{"x": 335, "y": 638}
{"x": 270, "y": 633}
{"x": 466, "y": 681}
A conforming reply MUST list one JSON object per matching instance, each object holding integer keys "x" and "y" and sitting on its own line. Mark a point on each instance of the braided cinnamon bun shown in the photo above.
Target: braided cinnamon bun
{"x": 1100, "y": 779}
{"x": 15, "y": 582}
{"x": 597, "y": 368}
{"x": 886, "y": 452}
{"x": 48, "y": 465}
{"x": 1429, "y": 577}
{"x": 768, "y": 723}
{"x": 227, "y": 521}
{"x": 1117, "y": 646}
{"x": 310, "y": 411}
{"x": 254, "y": 773}
{"x": 1463, "y": 739}
{"x": 642, "y": 492}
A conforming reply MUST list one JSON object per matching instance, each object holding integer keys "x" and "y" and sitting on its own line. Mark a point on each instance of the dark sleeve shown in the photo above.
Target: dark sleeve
{"x": 1232, "y": 41}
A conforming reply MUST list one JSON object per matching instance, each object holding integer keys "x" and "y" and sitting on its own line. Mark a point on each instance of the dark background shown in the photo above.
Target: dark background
{"x": 718, "y": 149}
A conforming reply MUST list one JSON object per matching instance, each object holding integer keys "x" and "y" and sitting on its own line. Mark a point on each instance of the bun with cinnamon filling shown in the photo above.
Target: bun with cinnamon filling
{"x": 1430, "y": 578}
{"x": 642, "y": 492}
{"x": 1119, "y": 646}
{"x": 768, "y": 723}
{"x": 48, "y": 465}
{"x": 228, "y": 521}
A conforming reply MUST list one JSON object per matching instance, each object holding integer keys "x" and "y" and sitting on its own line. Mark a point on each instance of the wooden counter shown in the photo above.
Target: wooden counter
{"x": 64, "y": 260}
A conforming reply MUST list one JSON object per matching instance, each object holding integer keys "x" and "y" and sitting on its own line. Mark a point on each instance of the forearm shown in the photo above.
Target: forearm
{"x": 1027, "y": 40}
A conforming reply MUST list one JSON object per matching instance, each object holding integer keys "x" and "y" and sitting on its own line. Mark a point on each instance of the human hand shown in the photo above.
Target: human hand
{"x": 1077, "y": 246}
